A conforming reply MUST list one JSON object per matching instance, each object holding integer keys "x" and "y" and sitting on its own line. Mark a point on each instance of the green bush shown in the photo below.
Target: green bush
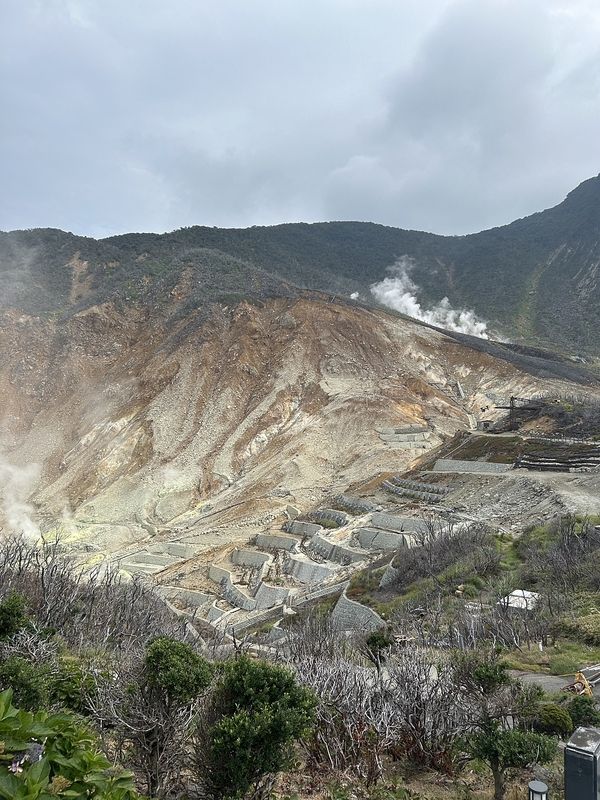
{"x": 502, "y": 750}
{"x": 29, "y": 683}
{"x": 260, "y": 710}
{"x": 553, "y": 720}
{"x": 584, "y": 712}
{"x": 51, "y": 755}
{"x": 174, "y": 669}
{"x": 71, "y": 684}
{"x": 13, "y": 615}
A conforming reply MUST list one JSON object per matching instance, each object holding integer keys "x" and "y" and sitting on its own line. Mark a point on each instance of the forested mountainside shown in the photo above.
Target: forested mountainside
{"x": 535, "y": 280}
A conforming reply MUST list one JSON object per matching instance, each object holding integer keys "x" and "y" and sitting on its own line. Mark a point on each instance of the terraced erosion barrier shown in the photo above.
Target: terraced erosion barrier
{"x": 253, "y": 559}
{"x": 307, "y": 529}
{"x": 333, "y": 551}
{"x": 348, "y": 615}
{"x": 394, "y": 522}
{"x": 307, "y": 571}
{"x": 264, "y": 597}
{"x": 377, "y": 539}
{"x": 331, "y": 516}
{"x": 231, "y": 592}
{"x": 190, "y": 598}
{"x": 575, "y": 462}
{"x": 456, "y": 465}
{"x": 353, "y": 505}
{"x": 146, "y": 563}
{"x": 278, "y": 541}
{"x": 175, "y": 549}
{"x": 420, "y": 486}
{"x": 409, "y": 437}
{"x": 268, "y": 596}
{"x": 400, "y": 491}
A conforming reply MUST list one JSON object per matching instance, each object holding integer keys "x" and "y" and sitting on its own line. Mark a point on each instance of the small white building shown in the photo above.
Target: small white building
{"x": 520, "y": 599}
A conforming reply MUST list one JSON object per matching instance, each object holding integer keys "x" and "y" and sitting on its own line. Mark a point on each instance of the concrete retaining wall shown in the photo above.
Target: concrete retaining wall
{"x": 214, "y": 613}
{"x": 393, "y": 522}
{"x": 333, "y": 551}
{"x": 390, "y": 575}
{"x": 278, "y": 541}
{"x": 376, "y": 539}
{"x": 160, "y": 559}
{"x": 353, "y": 505}
{"x": 308, "y": 571}
{"x": 407, "y": 445}
{"x": 303, "y": 528}
{"x": 140, "y": 569}
{"x": 330, "y": 515}
{"x": 420, "y": 486}
{"x": 456, "y": 465}
{"x": 176, "y": 549}
{"x": 404, "y": 429}
{"x": 232, "y": 593}
{"x": 250, "y": 558}
{"x": 348, "y": 615}
{"x": 268, "y": 596}
{"x": 404, "y": 437}
{"x": 188, "y": 597}
{"x": 400, "y": 491}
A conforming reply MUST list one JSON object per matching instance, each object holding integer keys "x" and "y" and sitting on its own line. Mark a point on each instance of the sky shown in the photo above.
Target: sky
{"x": 443, "y": 115}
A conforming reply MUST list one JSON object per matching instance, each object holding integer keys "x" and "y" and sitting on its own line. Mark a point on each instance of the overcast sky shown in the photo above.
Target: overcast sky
{"x": 441, "y": 115}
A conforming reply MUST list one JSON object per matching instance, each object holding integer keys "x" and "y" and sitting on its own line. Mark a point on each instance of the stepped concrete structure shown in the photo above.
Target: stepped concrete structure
{"x": 279, "y": 570}
{"x": 409, "y": 437}
{"x": 474, "y": 467}
{"x": 348, "y": 615}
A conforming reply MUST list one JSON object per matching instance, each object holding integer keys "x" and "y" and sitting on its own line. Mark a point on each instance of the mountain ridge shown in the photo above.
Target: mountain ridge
{"x": 535, "y": 280}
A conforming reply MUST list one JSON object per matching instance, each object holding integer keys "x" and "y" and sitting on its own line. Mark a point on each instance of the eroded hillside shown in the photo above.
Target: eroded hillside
{"x": 127, "y": 423}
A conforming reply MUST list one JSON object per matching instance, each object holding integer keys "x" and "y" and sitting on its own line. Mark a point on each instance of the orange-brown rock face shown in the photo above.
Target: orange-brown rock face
{"x": 135, "y": 420}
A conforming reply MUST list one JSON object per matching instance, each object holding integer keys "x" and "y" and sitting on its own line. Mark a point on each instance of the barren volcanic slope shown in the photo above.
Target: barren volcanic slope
{"x": 129, "y": 422}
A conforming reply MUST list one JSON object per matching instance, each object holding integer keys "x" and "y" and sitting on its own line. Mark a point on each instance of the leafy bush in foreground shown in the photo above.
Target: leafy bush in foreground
{"x": 44, "y": 756}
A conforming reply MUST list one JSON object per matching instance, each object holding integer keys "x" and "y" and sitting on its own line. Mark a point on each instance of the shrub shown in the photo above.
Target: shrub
{"x": 173, "y": 668}
{"x": 13, "y": 616}
{"x": 28, "y": 682}
{"x": 553, "y": 720}
{"x": 584, "y": 712}
{"x": 46, "y": 755}
{"x": 502, "y": 750}
{"x": 259, "y": 711}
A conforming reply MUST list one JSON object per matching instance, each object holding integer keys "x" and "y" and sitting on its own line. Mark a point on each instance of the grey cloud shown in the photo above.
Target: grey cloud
{"x": 449, "y": 116}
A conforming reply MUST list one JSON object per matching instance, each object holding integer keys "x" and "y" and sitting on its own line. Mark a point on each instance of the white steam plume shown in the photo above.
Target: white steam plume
{"x": 399, "y": 291}
{"x": 16, "y": 484}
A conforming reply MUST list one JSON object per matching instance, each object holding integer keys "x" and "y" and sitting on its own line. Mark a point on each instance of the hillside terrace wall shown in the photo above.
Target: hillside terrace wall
{"x": 354, "y": 505}
{"x": 330, "y": 515}
{"x": 404, "y": 437}
{"x": 176, "y": 549}
{"x": 400, "y": 491}
{"x": 188, "y": 597}
{"x": 268, "y": 596}
{"x": 232, "y": 593}
{"x": 404, "y": 429}
{"x": 393, "y": 522}
{"x": 158, "y": 559}
{"x": 308, "y": 571}
{"x": 307, "y": 529}
{"x": 277, "y": 541}
{"x": 250, "y": 558}
{"x": 348, "y": 615}
{"x": 420, "y": 486}
{"x": 334, "y": 551}
{"x": 377, "y": 539}
{"x": 456, "y": 465}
